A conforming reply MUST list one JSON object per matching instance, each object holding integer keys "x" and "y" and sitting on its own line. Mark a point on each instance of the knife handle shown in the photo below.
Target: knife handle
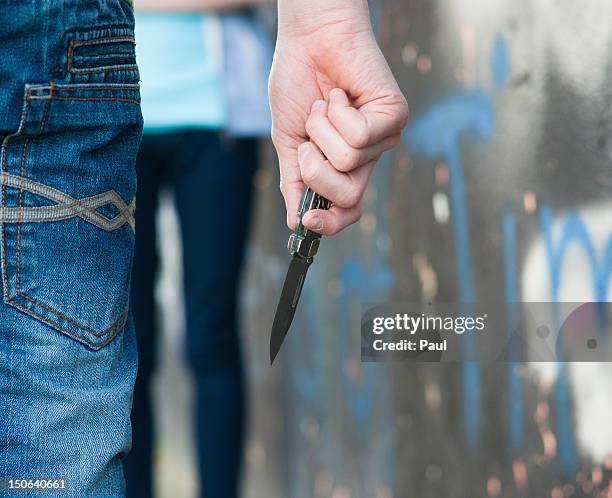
{"x": 304, "y": 242}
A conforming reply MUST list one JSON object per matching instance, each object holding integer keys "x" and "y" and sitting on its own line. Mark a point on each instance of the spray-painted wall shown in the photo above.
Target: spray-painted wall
{"x": 501, "y": 190}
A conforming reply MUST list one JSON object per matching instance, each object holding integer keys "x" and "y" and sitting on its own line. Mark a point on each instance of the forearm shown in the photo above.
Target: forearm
{"x": 193, "y": 5}
{"x": 297, "y": 17}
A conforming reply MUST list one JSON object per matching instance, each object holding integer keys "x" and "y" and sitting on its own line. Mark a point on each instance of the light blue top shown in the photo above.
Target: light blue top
{"x": 203, "y": 71}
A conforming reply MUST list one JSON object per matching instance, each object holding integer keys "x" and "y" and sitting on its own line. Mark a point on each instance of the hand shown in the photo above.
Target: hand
{"x": 335, "y": 108}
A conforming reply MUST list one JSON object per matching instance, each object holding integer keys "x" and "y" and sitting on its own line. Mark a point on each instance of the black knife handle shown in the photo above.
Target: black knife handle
{"x": 303, "y": 242}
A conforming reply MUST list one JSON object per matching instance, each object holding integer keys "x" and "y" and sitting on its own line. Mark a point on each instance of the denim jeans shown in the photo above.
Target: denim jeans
{"x": 211, "y": 177}
{"x": 70, "y": 128}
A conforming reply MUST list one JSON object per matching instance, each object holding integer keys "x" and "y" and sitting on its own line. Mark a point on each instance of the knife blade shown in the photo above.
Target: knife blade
{"x": 287, "y": 304}
{"x": 303, "y": 245}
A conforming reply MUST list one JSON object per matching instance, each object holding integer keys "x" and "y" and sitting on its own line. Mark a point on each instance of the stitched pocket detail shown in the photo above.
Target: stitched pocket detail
{"x": 67, "y": 217}
{"x": 101, "y": 54}
{"x": 104, "y": 54}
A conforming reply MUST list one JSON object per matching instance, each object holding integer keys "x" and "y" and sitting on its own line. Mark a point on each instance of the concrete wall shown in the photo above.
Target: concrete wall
{"x": 500, "y": 191}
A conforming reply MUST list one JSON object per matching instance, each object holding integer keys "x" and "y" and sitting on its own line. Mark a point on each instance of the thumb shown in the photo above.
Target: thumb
{"x": 291, "y": 185}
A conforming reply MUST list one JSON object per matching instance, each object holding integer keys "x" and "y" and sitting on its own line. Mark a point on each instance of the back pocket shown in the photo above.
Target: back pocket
{"x": 68, "y": 190}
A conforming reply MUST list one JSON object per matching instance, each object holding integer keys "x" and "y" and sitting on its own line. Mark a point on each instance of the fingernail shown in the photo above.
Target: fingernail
{"x": 317, "y": 105}
{"x": 315, "y": 223}
{"x": 303, "y": 151}
{"x": 336, "y": 94}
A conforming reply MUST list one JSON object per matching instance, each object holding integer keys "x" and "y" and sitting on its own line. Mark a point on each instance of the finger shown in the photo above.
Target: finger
{"x": 292, "y": 193}
{"x": 374, "y": 121}
{"x": 291, "y": 185}
{"x": 333, "y": 220}
{"x": 342, "y": 189}
{"x": 338, "y": 151}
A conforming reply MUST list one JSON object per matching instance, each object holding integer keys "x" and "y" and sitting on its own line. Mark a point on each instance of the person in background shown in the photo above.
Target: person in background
{"x": 204, "y": 67}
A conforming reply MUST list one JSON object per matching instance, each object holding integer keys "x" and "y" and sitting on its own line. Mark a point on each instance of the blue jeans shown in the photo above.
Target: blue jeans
{"x": 70, "y": 129}
{"x": 212, "y": 180}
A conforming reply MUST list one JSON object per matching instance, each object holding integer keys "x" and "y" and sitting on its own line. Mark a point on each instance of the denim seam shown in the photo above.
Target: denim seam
{"x": 46, "y": 110}
{"x": 23, "y": 156}
{"x": 55, "y": 91}
{"x": 70, "y": 333}
{"x": 107, "y": 331}
{"x": 76, "y": 87}
{"x": 95, "y": 41}
{"x": 101, "y": 39}
{"x": 5, "y": 146}
{"x": 105, "y": 69}
{"x": 84, "y": 99}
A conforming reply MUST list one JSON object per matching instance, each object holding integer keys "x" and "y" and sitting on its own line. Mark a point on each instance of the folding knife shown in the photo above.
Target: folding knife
{"x": 303, "y": 245}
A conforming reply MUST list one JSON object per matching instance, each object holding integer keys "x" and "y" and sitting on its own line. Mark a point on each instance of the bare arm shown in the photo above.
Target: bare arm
{"x": 298, "y": 17}
{"x": 194, "y": 5}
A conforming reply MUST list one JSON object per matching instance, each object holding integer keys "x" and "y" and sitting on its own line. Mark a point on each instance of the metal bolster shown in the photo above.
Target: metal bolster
{"x": 305, "y": 247}
{"x": 303, "y": 242}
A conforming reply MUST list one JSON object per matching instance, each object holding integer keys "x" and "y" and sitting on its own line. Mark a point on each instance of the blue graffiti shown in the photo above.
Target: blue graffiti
{"x": 515, "y": 391}
{"x": 500, "y": 63}
{"x": 361, "y": 286}
{"x": 573, "y": 231}
{"x": 437, "y": 135}
{"x": 305, "y": 347}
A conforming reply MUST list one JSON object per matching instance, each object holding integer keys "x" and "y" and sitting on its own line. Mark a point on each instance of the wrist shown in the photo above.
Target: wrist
{"x": 303, "y": 18}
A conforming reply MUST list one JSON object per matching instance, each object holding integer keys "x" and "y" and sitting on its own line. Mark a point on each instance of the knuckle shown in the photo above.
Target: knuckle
{"x": 360, "y": 137}
{"x": 349, "y": 198}
{"x": 348, "y": 160}
{"x": 355, "y": 197}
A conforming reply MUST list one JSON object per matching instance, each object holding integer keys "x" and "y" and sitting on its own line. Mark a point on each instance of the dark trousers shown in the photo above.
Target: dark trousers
{"x": 212, "y": 180}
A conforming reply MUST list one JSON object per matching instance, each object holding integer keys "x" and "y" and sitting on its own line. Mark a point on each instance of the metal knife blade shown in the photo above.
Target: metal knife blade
{"x": 303, "y": 245}
{"x": 287, "y": 304}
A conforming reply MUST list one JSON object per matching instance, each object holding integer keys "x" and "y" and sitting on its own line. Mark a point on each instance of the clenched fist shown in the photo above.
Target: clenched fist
{"x": 336, "y": 107}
